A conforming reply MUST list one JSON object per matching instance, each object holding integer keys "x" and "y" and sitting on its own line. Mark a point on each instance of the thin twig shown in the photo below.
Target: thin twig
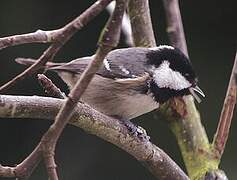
{"x": 223, "y": 129}
{"x": 95, "y": 123}
{"x": 25, "y": 168}
{"x": 48, "y": 55}
{"x": 38, "y": 36}
{"x": 62, "y": 37}
{"x": 49, "y": 87}
{"x": 174, "y": 25}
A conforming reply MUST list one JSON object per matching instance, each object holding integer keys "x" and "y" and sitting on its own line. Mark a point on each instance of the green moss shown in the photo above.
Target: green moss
{"x": 198, "y": 159}
{"x": 185, "y": 123}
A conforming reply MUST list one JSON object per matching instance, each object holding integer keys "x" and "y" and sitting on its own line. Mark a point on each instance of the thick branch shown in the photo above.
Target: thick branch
{"x": 222, "y": 132}
{"x": 184, "y": 121}
{"x": 52, "y": 88}
{"x": 95, "y": 123}
{"x": 140, "y": 18}
{"x": 61, "y": 38}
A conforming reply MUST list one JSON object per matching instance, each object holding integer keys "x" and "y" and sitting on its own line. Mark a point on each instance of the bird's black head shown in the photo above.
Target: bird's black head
{"x": 172, "y": 73}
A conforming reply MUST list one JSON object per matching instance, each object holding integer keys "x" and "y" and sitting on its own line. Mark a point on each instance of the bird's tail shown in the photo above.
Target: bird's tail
{"x": 76, "y": 66}
{"x": 28, "y": 62}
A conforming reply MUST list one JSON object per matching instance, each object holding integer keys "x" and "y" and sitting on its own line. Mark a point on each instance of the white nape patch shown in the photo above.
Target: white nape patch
{"x": 124, "y": 70}
{"x": 106, "y": 64}
{"x": 161, "y": 47}
{"x": 165, "y": 77}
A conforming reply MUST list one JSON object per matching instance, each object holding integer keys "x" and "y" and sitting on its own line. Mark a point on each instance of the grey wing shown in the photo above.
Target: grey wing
{"x": 125, "y": 63}
{"x": 120, "y": 63}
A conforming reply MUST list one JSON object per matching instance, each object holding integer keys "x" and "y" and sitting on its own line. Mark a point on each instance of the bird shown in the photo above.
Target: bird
{"x": 132, "y": 81}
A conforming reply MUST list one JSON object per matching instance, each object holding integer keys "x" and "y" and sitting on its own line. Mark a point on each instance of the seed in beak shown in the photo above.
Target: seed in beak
{"x": 194, "y": 91}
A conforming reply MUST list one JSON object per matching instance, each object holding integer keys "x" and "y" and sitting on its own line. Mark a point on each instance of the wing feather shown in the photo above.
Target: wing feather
{"x": 125, "y": 63}
{"x": 119, "y": 64}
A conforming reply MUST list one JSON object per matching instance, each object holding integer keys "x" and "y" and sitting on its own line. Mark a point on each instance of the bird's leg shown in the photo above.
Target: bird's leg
{"x": 135, "y": 129}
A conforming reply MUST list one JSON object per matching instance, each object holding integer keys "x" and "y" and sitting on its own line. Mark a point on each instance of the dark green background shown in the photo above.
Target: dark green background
{"x": 210, "y": 28}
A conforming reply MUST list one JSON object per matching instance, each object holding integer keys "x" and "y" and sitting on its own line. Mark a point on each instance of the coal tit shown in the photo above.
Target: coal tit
{"x": 132, "y": 81}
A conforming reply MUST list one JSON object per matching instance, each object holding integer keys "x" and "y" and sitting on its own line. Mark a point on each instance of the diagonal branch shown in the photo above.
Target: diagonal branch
{"x": 109, "y": 39}
{"x": 62, "y": 36}
{"x": 226, "y": 116}
{"x": 95, "y": 123}
{"x": 49, "y": 87}
{"x": 25, "y": 168}
{"x": 48, "y": 55}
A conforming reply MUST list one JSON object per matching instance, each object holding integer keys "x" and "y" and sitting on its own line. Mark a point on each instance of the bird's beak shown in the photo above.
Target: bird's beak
{"x": 196, "y": 90}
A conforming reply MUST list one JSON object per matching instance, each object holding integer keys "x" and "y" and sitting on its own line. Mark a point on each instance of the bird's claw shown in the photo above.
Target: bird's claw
{"x": 137, "y": 130}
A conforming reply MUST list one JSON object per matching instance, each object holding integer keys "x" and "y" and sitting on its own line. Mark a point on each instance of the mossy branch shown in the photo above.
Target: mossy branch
{"x": 200, "y": 158}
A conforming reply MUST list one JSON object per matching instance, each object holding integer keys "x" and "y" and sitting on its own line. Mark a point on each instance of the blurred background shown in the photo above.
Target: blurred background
{"x": 210, "y": 28}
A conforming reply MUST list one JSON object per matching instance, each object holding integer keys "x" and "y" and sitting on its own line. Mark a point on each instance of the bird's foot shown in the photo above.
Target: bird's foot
{"x": 136, "y": 130}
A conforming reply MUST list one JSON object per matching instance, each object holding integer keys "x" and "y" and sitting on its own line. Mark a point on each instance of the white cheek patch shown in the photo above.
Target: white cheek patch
{"x": 165, "y": 77}
{"x": 106, "y": 64}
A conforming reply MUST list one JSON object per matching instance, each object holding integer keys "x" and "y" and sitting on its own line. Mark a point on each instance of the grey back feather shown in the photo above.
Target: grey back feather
{"x": 123, "y": 63}
{"x": 126, "y": 63}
